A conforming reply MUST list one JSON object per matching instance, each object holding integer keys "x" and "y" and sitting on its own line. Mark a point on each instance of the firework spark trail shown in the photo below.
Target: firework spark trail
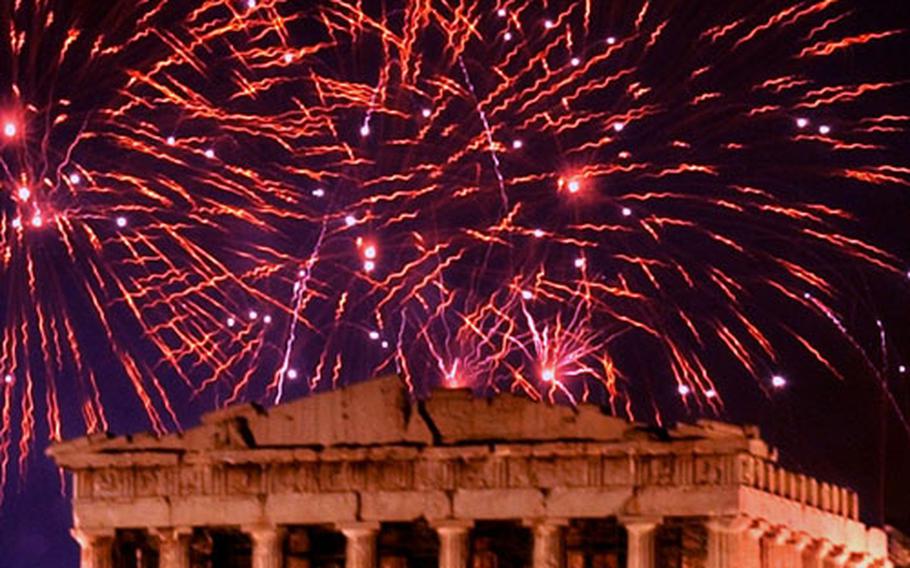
{"x": 157, "y": 194}
{"x": 300, "y": 292}
{"x": 491, "y": 144}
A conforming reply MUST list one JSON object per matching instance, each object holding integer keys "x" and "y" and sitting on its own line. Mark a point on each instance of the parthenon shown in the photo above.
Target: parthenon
{"x": 366, "y": 477}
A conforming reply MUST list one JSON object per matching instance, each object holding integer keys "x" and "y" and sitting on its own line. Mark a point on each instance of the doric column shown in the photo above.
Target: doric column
{"x": 799, "y": 542}
{"x": 776, "y": 548}
{"x": 360, "y": 549}
{"x": 453, "y": 543}
{"x": 734, "y": 542}
{"x": 267, "y": 545}
{"x": 95, "y": 548}
{"x": 549, "y": 551}
{"x": 640, "y": 532}
{"x": 173, "y": 546}
{"x": 815, "y": 554}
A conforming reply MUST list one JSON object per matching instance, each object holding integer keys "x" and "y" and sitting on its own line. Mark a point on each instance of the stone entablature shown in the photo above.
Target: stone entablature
{"x": 366, "y": 455}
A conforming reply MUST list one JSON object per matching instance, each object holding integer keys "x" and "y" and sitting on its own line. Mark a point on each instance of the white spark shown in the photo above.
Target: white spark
{"x": 778, "y": 381}
{"x": 507, "y": 36}
{"x": 527, "y": 295}
{"x": 369, "y": 266}
{"x": 121, "y": 222}
{"x": 611, "y": 40}
{"x": 350, "y": 220}
{"x": 902, "y": 369}
{"x": 292, "y": 374}
{"x": 365, "y": 130}
{"x": 319, "y": 192}
{"x": 374, "y": 335}
{"x": 288, "y": 57}
{"x": 580, "y": 262}
{"x": 575, "y": 62}
{"x": 538, "y": 233}
{"x": 253, "y": 314}
{"x": 517, "y": 144}
{"x": 250, "y": 4}
{"x": 8, "y": 379}
{"x": 209, "y": 153}
{"x": 626, "y": 212}
{"x": 548, "y": 24}
{"x": 802, "y": 122}
{"x": 548, "y": 375}
{"x": 9, "y": 129}
{"x": 37, "y": 221}
{"x": 711, "y": 393}
{"x": 75, "y": 178}
{"x": 24, "y": 193}
{"x": 618, "y": 126}
{"x": 426, "y": 113}
{"x": 683, "y": 389}
{"x": 385, "y": 344}
{"x": 267, "y": 319}
{"x": 369, "y": 252}
{"x": 501, "y": 12}
{"x": 17, "y": 223}
{"x": 171, "y": 140}
{"x": 824, "y": 129}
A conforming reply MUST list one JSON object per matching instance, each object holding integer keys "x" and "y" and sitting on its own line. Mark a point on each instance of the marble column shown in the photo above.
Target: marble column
{"x": 360, "y": 548}
{"x": 734, "y": 542}
{"x": 776, "y": 549}
{"x": 549, "y": 549}
{"x": 173, "y": 546}
{"x": 453, "y": 543}
{"x": 267, "y": 540}
{"x": 640, "y": 542}
{"x": 96, "y": 548}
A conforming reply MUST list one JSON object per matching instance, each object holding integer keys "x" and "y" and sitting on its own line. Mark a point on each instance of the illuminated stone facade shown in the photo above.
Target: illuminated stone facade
{"x": 362, "y": 478}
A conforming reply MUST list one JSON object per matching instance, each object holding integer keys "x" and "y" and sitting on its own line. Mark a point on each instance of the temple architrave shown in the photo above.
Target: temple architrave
{"x": 365, "y": 478}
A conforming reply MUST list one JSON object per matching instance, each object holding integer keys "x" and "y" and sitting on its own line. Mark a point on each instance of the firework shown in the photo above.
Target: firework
{"x": 256, "y": 200}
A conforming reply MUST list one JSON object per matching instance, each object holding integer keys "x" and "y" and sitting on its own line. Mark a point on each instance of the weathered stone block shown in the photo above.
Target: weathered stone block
{"x": 404, "y": 505}
{"x": 498, "y": 504}
{"x": 304, "y": 508}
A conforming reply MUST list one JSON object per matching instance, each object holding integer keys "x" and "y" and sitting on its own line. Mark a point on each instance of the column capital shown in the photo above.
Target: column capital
{"x": 358, "y": 528}
{"x": 262, "y": 531}
{"x": 452, "y": 525}
{"x": 89, "y": 536}
{"x": 545, "y": 523}
{"x": 780, "y": 535}
{"x": 170, "y": 532}
{"x": 820, "y": 548}
{"x": 639, "y": 523}
{"x": 755, "y": 528}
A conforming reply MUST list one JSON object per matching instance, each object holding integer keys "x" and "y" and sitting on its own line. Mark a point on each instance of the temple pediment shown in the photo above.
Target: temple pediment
{"x": 380, "y": 413}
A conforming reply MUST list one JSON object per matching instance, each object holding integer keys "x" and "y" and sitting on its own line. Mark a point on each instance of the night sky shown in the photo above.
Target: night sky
{"x": 676, "y": 210}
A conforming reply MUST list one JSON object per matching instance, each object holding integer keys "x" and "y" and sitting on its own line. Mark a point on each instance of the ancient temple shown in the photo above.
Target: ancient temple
{"x": 364, "y": 478}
